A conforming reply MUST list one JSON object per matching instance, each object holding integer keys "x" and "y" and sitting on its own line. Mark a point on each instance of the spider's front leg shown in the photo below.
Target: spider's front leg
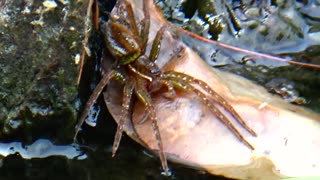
{"x": 97, "y": 91}
{"x": 184, "y": 82}
{"x": 145, "y": 25}
{"x": 214, "y": 95}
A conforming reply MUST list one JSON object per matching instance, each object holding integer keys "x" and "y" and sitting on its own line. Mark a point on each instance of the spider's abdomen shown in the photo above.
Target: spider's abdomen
{"x": 122, "y": 43}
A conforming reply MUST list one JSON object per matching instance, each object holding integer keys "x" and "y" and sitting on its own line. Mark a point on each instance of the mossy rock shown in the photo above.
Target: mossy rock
{"x": 38, "y": 72}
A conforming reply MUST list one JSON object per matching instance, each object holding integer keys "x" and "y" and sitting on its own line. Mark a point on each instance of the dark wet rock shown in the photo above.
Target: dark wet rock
{"x": 39, "y": 44}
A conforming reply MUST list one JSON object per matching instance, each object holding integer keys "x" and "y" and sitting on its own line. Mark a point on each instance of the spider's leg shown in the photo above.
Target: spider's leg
{"x": 126, "y": 100}
{"x": 222, "y": 117}
{"x": 180, "y": 84}
{"x": 221, "y": 101}
{"x": 144, "y": 96}
{"x": 155, "y": 49}
{"x": 130, "y": 17}
{"x": 171, "y": 93}
{"x": 97, "y": 91}
{"x": 145, "y": 25}
{"x": 216, "y": 97}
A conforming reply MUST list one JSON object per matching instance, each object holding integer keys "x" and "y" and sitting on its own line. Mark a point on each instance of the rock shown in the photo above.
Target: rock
{"x": 39, "y": 43}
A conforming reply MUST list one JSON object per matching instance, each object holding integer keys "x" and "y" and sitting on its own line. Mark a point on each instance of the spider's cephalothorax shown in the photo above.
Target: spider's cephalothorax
{"x": 127, "y": 40}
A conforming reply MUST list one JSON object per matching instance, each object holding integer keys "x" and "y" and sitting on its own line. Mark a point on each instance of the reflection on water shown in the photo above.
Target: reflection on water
{"x": 44, "y": 160}
{"x": 41, "y": 148}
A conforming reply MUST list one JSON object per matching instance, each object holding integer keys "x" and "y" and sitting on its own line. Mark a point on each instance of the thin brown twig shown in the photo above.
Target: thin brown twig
{"x": 86, "y": 37}
{"x": 252, "y": 53}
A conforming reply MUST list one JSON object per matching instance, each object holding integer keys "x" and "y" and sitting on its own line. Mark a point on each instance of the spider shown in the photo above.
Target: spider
{"x": 126, "y": 41}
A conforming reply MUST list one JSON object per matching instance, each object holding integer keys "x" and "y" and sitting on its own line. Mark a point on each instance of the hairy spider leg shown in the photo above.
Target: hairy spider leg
{"x": 155, "y": 49}
{"x": 145, "y": 98}
{"x": 145, "y": 25}
{"x": 178, "y": 82}
{"x": 215, "y": 96}
{"x": 97, "y": 91}
{"x": 126, "y": 100}
{"x": 130, "y": 17}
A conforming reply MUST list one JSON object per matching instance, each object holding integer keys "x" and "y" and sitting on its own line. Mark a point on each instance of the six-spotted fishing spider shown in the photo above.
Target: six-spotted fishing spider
{"x": 140, "y": 75}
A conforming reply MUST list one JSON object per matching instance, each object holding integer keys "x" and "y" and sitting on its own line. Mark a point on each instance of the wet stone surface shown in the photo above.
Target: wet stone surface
{"x": 39, "y": 43}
